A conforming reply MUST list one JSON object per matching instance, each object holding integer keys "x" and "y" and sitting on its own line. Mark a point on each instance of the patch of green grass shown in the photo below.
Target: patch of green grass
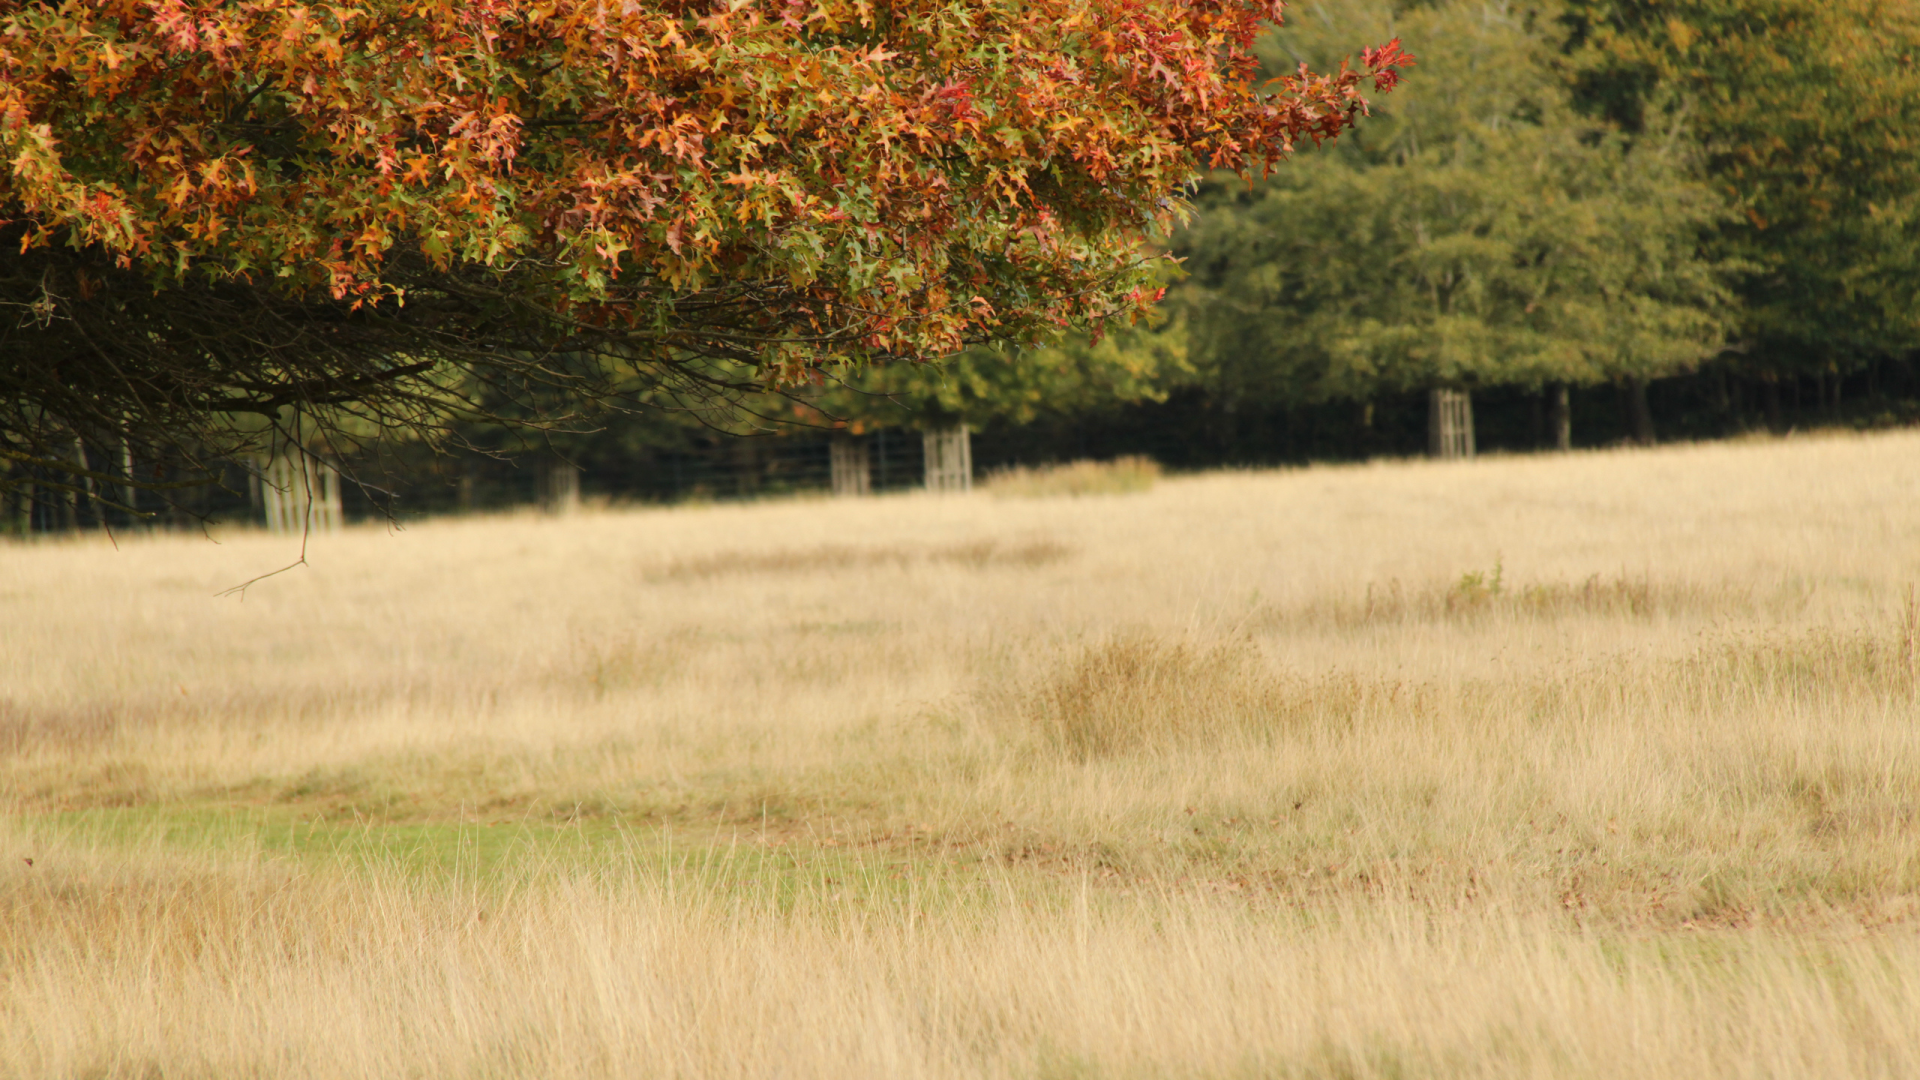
{"x": 781, "y": 872}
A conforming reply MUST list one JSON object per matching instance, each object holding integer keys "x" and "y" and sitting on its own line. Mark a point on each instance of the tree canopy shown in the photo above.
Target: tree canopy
{"x": 1807, "y": 113}
{"x": 1480, "y": 231}
{"x": 393, "y": 208}
{"x": 989, "y": 384}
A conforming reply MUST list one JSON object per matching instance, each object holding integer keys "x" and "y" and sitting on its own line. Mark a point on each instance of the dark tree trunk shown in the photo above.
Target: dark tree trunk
{"x": 746, "y": 465}
{"x": 1227, "y": 425}
{"x": 128, "y": 493}
{"x": 1561, "y": 417}
{"x": 1770, "y": 395}
{"x": 1639, "y": 417}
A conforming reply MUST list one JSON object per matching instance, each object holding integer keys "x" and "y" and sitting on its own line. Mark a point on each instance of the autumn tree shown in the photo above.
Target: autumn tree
{"x": 379, "y": 213}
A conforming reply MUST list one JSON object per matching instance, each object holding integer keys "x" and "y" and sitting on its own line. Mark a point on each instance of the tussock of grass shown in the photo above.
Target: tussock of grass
{"x": 1136, "y": 694}
{"x": 1116, "y": 477}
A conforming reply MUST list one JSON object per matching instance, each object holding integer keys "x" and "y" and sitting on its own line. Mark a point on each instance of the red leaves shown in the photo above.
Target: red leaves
{"x": 749, "y": 143}
{"x": 955, "y": 99}
{"x": 1386, "y": 63}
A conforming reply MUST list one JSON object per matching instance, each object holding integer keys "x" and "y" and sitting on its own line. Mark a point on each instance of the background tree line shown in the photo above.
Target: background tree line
{"x": 1712, "y": 197}
{"x": 1610, "y": 221}
{"x": 1607, "y": 219}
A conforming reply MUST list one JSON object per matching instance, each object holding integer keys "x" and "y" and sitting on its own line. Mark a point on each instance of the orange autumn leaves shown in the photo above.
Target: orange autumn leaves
{"x": 875, "y": 179}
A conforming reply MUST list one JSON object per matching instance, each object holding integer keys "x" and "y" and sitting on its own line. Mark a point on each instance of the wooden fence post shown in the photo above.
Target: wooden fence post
{"x": 1450, "y": 424}
{"x": 851, "y": 471}
{"x": 949, "y": 459}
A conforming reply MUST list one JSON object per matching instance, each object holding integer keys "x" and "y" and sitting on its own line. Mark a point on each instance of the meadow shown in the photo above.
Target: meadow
{"x": 1591, "y": 765}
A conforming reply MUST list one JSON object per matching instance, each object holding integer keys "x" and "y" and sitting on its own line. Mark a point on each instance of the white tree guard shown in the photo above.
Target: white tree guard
{"x": 949, "y": 457}
{"x": 1450, "y": 424}
{"x": 300, "y": 493}
{"x": 851, "y": 469}
{"x": 562, "y": 494}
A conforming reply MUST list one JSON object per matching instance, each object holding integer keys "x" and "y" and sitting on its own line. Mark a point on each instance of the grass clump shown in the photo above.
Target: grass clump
{"x": 1138, "y": 693}
{"x": 1116, "y": 477}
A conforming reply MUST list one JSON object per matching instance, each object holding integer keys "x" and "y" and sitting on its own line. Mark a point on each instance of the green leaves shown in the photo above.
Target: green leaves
{"x": 1477, "y": 231}
{"x": 1808, "y": 116}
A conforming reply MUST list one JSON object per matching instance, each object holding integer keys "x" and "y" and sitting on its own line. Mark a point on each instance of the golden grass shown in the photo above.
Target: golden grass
{"x": 1590, "y": 765}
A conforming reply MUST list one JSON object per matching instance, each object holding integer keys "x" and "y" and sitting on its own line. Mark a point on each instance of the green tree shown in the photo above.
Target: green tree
{"x": 1014, "y": 384}
{"x": 1807, "y": 113}
{"x": 1478, "y": 232}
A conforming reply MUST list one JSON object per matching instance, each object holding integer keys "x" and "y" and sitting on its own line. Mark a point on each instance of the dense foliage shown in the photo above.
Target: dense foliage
{"x": 1807, "y": 115}
{"x": 218, "y": 209}
{"x": 1581, "y": 193}
{"x": 1003, "y": 385}
{"x": 1480, "y": 231}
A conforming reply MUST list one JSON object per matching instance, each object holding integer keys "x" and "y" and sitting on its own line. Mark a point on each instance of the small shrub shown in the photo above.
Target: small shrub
{"x": 1476, "y": 589}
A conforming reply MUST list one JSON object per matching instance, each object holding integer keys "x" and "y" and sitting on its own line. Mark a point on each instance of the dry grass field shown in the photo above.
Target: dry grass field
{"x": 1602, "y": 765}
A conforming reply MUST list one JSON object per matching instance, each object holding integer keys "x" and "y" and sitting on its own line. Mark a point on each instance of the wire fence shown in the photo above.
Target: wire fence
{"x": 1187, "y": 432}
{"x": 398, "y": 488}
